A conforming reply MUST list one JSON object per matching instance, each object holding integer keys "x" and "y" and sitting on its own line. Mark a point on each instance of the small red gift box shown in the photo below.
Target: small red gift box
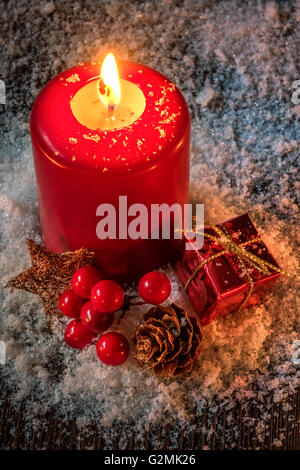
{"x": 222, "y": 285}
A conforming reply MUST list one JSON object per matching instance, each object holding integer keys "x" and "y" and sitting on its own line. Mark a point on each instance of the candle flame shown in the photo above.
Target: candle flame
{"x": 109, "y": 84}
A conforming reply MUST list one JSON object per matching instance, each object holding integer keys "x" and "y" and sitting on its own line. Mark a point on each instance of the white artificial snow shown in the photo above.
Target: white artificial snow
{"x": 235, "y": 63}
{"x": 48, "y": 8}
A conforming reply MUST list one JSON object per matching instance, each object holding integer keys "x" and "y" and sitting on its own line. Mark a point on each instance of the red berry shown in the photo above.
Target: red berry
{"x": 154, "y": 287}
{"x": 94, "y": 320}
{"x": 77, "y": 335}
{"x": 84, "y": 279}
{"x": 107, "y": 296}
{"x": 70, "y": 304}
{"x": 113, "y": 348}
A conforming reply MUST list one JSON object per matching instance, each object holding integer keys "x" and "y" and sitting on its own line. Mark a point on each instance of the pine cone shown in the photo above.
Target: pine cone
{"x": 168, "y": 341}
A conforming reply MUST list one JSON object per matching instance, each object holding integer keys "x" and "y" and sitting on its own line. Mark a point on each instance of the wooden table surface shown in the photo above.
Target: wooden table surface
{"x": 284, "y": 427}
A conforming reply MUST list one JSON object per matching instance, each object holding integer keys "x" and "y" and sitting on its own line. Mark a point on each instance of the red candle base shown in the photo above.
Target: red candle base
{"x": 77, "y": 168}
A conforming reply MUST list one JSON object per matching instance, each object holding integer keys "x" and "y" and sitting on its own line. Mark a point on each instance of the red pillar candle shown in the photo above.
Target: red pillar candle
{"x": 141, "y": 151}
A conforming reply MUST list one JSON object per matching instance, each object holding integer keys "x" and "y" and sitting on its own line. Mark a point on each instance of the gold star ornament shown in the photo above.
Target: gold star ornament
{"x": 50, "y": 273}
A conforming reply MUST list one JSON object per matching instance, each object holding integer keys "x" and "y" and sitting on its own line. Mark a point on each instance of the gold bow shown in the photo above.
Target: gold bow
{"x": 224, "y": 239}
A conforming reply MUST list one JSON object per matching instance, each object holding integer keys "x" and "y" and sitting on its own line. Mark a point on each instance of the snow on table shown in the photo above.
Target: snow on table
{"x": 235, "y": 63}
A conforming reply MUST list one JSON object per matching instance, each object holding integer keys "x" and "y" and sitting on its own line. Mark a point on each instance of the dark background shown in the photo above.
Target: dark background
{"x": 235, "y": 63}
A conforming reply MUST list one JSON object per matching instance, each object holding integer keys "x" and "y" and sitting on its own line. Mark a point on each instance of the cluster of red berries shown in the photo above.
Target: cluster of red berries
{"x": 92, "y": 302}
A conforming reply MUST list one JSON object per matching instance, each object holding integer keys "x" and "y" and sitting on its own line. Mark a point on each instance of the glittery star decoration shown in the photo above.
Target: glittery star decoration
{"x": 50, "y": 273}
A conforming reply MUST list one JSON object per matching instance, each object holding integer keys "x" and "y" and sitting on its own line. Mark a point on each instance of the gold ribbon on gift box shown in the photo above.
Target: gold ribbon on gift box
{"x": 224, "y": 239}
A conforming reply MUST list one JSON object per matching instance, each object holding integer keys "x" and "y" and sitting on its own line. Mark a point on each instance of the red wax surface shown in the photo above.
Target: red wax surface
{"x": 77, "y": 168}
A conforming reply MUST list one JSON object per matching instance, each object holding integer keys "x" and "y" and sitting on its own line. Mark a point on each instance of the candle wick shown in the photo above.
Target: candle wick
{"x": 102, "y": 87}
